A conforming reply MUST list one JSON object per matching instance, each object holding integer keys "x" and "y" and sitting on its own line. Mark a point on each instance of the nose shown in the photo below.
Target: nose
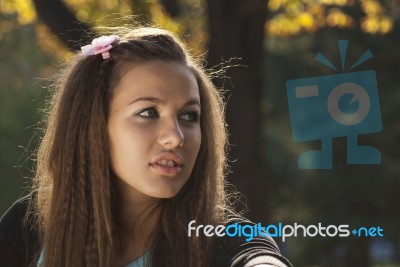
{"x": 171, "y": 135}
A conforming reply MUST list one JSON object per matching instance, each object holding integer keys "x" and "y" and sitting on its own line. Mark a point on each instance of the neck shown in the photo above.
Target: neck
{"x": 136, "y": 218}
{"x": 137, "y": 213}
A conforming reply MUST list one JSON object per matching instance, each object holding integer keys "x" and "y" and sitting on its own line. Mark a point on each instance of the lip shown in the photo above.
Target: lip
{"x": 166, "y": 170}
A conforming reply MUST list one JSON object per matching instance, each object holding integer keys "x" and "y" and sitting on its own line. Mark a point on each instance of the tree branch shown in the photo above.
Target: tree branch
{"x": 63, "y": 23}
{"x": 172, "y": 7}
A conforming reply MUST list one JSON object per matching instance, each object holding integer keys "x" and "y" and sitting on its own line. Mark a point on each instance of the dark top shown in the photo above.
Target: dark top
{"x": 19, "y": 241}
{"x": 20, "y": 244}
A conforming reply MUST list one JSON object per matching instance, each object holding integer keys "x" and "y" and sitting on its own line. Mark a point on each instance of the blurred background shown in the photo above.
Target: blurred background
{"x": 266, "y": 43}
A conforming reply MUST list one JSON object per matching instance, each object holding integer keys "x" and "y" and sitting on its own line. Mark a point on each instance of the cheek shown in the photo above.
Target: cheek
{"x": 194, "y": 142}
{"x": 127, "y": 143}
{"x": 124, "y": 132}
{"x": 198, "y": 141}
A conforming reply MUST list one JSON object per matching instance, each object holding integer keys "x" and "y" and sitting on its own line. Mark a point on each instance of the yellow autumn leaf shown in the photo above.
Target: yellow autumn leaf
{"x": 24, "y": 10}
{"x": 336, "y": 18}
{"x": 160, "y": 18}
{"x": 334, "y": 2}
{"x": 306, "y": 20}
{"x": 386, "y": 25}
{"x": 371, "y": 7}
{"x": 370, "y": 24}
{"x": 274, "y": 5}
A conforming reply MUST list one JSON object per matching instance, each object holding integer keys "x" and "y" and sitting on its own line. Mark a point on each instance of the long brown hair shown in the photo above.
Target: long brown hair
{"x": 75, "y": 187}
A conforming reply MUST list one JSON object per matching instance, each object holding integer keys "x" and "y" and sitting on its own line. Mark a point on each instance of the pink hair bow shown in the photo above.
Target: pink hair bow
{"x": 101, "y": 45}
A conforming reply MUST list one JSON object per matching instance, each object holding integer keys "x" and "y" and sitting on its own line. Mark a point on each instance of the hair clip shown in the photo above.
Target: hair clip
{"x": 101, "y": 45}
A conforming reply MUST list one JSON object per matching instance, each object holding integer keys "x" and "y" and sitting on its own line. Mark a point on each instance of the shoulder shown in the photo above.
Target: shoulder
{"x": 15, "y": 213}
{"x": 19, "y": 238}
{"x": 245, "y": 245}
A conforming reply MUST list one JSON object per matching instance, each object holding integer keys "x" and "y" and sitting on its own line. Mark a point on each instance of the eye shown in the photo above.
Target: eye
{"x": 148, "y": 113}
{"x": 190, "y": 116}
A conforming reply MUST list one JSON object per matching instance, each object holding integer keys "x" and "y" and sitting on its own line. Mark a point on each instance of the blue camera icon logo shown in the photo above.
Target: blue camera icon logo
{"x": 337, "y": 105}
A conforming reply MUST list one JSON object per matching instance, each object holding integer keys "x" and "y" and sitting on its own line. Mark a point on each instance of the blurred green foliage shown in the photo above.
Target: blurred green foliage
{"x": 21, "y": 99}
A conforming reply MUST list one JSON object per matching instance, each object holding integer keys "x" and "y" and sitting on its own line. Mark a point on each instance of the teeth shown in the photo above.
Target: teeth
{"x": 166, "y": 162}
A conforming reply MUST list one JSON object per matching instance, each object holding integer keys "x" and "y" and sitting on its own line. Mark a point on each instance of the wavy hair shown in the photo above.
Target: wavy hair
{"x": 76, "y": 190}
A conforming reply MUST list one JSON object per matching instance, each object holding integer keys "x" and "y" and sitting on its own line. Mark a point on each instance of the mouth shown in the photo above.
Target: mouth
{"x": 168, "y": 164}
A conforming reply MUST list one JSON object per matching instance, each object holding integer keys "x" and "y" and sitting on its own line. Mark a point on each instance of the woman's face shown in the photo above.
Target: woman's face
{"x": 154, "y": 129}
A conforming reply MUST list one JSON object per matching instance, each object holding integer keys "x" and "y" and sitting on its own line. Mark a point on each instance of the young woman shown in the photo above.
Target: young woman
{"x": 133, "y": 151}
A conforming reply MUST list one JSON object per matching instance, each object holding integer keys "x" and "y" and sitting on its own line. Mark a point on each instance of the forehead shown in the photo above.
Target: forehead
{"x": 162, "y": 79}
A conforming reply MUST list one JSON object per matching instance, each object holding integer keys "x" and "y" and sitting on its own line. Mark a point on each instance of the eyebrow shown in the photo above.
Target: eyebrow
{"x": 191, "y": 102}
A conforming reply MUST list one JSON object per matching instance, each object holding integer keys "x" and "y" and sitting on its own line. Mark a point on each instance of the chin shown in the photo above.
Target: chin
{"x": 165, "y": 194}
{"x": 166, "y": 188}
